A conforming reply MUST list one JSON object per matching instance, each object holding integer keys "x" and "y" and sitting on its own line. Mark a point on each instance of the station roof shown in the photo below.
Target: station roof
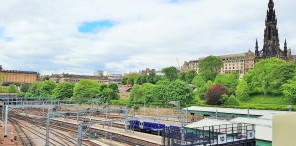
{"x": 207, "y": 122}
{"x": 232, "y": 111}
{"x": 263, "y": 127}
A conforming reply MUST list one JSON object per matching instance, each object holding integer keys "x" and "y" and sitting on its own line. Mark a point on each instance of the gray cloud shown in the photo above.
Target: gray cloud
{"x": 43, "y": 35}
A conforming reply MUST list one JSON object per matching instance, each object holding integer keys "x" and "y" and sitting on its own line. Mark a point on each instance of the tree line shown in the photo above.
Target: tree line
{"x": 84, "y": 89}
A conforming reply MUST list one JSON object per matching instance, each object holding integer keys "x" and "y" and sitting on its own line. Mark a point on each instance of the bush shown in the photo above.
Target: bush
{"x": 242, "y": 90}
{"x": 230, "y": 100}
{"x": 12, "y": 88}
{"x": 214, "y": 94}
{"x": 21, "y": 94}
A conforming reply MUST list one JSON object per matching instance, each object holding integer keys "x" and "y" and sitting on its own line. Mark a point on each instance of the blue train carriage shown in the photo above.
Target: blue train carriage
{"x": 151, "y": 126}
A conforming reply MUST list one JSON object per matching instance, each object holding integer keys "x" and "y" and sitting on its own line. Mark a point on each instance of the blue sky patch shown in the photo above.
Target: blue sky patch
{"x": 96, "y": 26}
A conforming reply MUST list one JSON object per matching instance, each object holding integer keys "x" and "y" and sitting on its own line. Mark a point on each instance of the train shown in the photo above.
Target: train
{"x": 159, "y": 128}
{"x": 150, "y": 126}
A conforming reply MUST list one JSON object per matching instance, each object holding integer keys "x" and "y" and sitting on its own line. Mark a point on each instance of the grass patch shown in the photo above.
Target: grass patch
{"x": 266, "y": 99}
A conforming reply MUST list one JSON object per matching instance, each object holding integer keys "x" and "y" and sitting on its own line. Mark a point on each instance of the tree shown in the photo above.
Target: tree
{"x": 214, "y": 94}
{"x": 187, "y": 76}
{"x": 12, "y": 88}
{"x": 45, "y": 88}
{"x": 130, "y": 79}
{"x": 289, "y": 89}
{"x": 230, "y": 81}
{"x": 198, "y": 81}
{"x": 87, "y": 89}
{"x": 143, "y": 93}
{"x": 32, "y": 91}
{"x": 109, "y": 92}
{"x": 202, "y": 90}
{"x": 63, "y": 90}
{"x": 209, "y": 67}
{"x": 269, "y": 75}
{"x": 161, "y": 91}
{"x": 141, "y": 79}
{"x": 242, "y": 90}
{"x": 179, "y": 91}
{"x": 151, "y": 78}
{"x": 170, "y": 73}
{"x": 24, "y": 87}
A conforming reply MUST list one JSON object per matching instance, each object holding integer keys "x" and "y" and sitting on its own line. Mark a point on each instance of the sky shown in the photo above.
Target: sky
{"x": 121, "y": 36}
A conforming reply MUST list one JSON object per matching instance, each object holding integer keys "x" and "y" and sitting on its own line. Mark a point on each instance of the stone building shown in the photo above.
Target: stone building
{"x": 76, "y": 78}
{"x": 17, "y": 77}
{"x": 240, "y": 63}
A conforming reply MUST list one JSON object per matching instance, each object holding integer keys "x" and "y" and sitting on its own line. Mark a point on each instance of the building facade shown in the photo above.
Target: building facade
{"x": 17, "y": 77}
{"x": 240, "y": 63}
{"x": 58, "y": 78}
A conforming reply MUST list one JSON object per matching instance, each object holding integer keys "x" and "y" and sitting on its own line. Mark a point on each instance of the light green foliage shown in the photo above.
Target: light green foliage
{"x": 86, "y": 89}
{"x": 269, "y": 75}
{"x": 202, "y": 90}
{"x": 24, "y": 87}
{"x": 198, "y": 81}
{"x": 230, "y": 100}
{"x": 179, "y": 91}
{"x": 134, "y": 96}
{"x": 109, "y": 92}
{"x": 143, "y": 93}
{"x": 63, "y": 90}
{"x": 170, "y": 73}
{"x": 11, "y": 88}
{"x": 45, "y": 88}
{"x": 230, "y": 81}
{"x": 32, "y": 91}
{"x": 209, "y": 67}
{"x": 242, "y": 90}
{"x": 289, "y": 89}
{"x": 130, "y": 79}
{"x": 141, "y": 79}
{"x": 187, "y": 76}
{"x": 161, "y": 91}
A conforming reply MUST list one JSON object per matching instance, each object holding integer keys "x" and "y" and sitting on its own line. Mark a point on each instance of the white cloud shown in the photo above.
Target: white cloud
{"x": 148, "y": 33}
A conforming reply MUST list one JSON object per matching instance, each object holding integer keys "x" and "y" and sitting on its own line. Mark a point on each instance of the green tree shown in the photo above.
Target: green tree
{"x": 87, "y": 89}
{"x": 24, "y": 87}
{"x": 12, "y": 88}
{"x": 269, "y": 75}
{"x": 130, "y": 79}
{"x": 210, "y": 67}
{"x": 45, "y": 88}
{"x": 198, "y": 81}
{"x": 202, "y": 90}
{"x": 63, "y": 90}
{"x": 187, "y": 76}
{"x": 32, "y": 91}
{"x": 109, "y": 92}
{"x": 151, "y": 78}
{"x": 242, "y": 90}
{"x": 230, "y": 81}
{"x": 141, "y": 79}
{"x": 289, "y": 89}
{"x": 179, "y": 91}
{"x": 170, "y": 73}
{"x": 161, "y": 91}
{"x": 143, "y": 93}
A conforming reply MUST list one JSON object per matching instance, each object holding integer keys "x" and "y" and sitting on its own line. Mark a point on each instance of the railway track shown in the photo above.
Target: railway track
{"x": 114, "y": 136}
{"x": 26, "y": 141}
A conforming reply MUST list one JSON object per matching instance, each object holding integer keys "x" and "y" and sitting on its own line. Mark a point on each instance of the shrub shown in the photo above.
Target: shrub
{"x": 214, "y": 94}
{"x": 12, "y": 88}
{"x": 242, "y": 90}
{"x": 21, "y": 94}
{"x": 230, "y": 100}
